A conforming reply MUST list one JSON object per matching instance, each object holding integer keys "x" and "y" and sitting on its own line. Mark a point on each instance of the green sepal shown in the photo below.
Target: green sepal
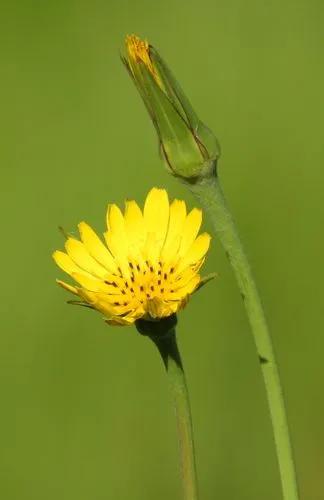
{"x": 80, "y": 303}
{"x": 206, "y": 279}
{"x": 206, "y": 139}
{"x": 174, "y": 90}
{"x": 179, "y": 145}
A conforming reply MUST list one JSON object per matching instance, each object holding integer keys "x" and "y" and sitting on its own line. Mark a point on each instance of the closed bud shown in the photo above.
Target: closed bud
{"x": 188, "y": 147}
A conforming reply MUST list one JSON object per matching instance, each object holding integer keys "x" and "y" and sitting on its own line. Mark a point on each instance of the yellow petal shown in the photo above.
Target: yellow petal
{"x": 96, "y": 248}
{"x": 181, "y": 292}
{"x": 116, "y": 308}
{"x": 190, "y": 230}
{"x": 158, "y": 308}
{"x": 87, "y": 296}
{"x": 93, "y": 285}
{"x": 156, "y": 214}
{"x": 134, "y": 224}
{"x": 120, "y": 321}
{"x": 115, "y": 220}
{"x": 151, "y": 251}
{"x": 127, "y": 319}
{"x": 195, "y": 253}
{"x": 182, "y": 279}
{"x": 176, "y": 222}
{"x": 116, "y": 237}
{"x": 92, "y": 298}
{"x": 78, "y": 253}
{"x": 190, "y": 286}
{"x": 65, "y": 262}
{"x": 67, "y": 287}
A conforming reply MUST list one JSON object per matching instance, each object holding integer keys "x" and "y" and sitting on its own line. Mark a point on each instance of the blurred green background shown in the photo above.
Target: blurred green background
{"x": 85, "y": 411}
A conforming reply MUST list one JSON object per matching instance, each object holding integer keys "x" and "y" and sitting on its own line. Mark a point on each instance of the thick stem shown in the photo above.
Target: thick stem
{"x": 210, "y": 195}
{"x": 169, "y": 351}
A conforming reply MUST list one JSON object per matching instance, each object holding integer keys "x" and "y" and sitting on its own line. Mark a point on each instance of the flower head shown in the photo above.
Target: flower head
{"x": 188, "y": 147}
{"x": 149, "y": 265}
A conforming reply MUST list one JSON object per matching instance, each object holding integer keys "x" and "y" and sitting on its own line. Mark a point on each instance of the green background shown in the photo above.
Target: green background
{"x": 85, "y": 411}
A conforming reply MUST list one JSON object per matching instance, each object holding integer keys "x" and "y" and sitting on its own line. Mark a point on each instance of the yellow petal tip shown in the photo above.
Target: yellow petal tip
{"x": 137, "y": 48}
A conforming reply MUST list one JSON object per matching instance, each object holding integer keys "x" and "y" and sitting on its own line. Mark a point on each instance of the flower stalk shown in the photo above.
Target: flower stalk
{"x": 165, "y": 341}
{"x": 209, "y": 193}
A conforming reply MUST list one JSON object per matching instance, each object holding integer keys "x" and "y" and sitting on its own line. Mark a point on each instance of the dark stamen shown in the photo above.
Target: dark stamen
{"x": 159, "y": 282}
{"x": 116, "y": 304}
{"x": 152, "y": 288}
{"x": 111, "y": 283}
{"x": 165, "y": 276}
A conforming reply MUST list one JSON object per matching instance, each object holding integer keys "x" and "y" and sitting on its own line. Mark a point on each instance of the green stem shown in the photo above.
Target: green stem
{"x": 211, "y": 197}
{"x": 169, "y": 351}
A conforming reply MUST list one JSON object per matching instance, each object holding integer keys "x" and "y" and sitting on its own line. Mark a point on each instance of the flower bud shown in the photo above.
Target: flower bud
{"x": 188, "y": 147}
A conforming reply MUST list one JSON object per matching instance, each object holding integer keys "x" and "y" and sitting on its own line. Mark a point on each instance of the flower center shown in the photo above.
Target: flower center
{"x": 146, "y": 281}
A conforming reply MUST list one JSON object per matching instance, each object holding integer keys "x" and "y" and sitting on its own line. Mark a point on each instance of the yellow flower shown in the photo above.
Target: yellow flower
{"x": 149, "y": 265}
